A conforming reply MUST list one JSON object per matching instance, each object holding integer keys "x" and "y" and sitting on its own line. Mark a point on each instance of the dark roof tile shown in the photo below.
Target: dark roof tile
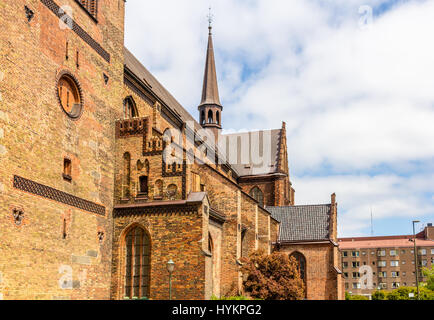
{"x": 302, "y": 223}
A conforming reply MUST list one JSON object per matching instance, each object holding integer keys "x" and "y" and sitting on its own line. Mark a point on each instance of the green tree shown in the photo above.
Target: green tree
{"x": 272, "y": 277}
{"x": 379, "y": 295}
{"x": 429, "y": 274}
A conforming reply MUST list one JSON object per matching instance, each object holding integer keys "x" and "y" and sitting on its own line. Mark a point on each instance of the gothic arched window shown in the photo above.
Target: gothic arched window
{"x": 210, "y": 117}
{"x": 301, "y": 264}
{"x": 202, "y": 117}
{"x": 137, "y": 250}
{"x": 158, "y": 189}
{"x": 217, "y": 117}
{"x": 130, "y": 110}
{"x": 257, "y": 194}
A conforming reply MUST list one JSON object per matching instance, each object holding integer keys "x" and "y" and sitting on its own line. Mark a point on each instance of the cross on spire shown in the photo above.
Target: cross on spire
{"x": 210, "y": 19}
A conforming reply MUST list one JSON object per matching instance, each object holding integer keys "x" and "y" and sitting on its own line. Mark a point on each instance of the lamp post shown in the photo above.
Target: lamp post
{"x": 415, "y": 258}
{"x": 170, "y": 268}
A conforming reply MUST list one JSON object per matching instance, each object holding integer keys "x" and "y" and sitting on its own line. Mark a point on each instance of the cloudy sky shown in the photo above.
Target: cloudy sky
{"x": 356, "y": 91}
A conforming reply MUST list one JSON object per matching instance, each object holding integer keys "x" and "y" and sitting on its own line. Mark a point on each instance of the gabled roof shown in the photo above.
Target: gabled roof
{"x": 303, "y": 223}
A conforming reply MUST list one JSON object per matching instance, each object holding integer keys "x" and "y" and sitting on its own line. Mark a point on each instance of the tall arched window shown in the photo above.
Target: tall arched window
{"x": 257, "y": 194}
{"x": 202, "y": 117}
{"x": 210, "y": 117}
{"x": 211, "y": 250}
{"x": 130, "y": 110}
{"x": 301, "y": 264}
{"x": 126, "y": 175}
{"x": 217, "y": 117}
{"x": 137, "y": 263}
{"x": 158, "y": 189}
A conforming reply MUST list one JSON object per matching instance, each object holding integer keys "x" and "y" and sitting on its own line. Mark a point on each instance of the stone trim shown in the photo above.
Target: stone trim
{"x": 54, "y": 7}
{"x": 57, "y": 195}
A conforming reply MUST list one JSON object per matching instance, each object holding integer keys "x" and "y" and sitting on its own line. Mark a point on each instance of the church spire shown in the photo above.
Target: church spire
{"x": 210, "y": 107}
{"x": 210, "y": 91}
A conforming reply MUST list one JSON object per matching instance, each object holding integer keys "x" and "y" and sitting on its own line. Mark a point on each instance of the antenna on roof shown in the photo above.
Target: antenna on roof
{"x": 210, "y": 19}
{"x": 372, "y": 224}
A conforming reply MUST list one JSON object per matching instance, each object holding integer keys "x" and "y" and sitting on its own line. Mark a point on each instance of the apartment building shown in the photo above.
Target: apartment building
{"x": 385, "y": 262}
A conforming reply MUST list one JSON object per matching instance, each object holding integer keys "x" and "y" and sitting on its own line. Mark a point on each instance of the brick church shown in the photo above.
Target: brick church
{"x": 105, "y": 177}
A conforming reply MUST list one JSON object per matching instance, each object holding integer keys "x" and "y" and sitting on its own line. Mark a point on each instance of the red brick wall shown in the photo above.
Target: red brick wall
{"x": 37, "y": 134}
{"x": 173, "y": 236}
{"x": 321, "y": 279}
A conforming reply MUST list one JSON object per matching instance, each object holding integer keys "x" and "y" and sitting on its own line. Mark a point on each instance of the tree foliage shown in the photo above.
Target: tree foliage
{"x": 272, "y": 277}
{"x": 429, "y": 274}
{"x": 402, "y": 293}
{"x": 355, "y": 297}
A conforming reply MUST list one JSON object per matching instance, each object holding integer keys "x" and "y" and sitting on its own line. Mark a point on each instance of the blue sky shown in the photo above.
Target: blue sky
{"x": 356, "y": 92}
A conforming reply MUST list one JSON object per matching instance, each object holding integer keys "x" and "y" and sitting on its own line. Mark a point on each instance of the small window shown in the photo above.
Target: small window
{"x": 257, "y": 194}
{"x": 344, "y": 254}
{"x": 210, "y": 117}
{"x": 143, "y": 183}
{"x": 67, "y": 169}
{"x": 422, "y": 252}
{"x": 355, "y": 253}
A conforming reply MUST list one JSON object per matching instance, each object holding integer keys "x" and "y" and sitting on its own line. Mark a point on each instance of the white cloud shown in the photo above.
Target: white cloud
{"x": 354, "y": 100}
{"x": 389, "y": 197}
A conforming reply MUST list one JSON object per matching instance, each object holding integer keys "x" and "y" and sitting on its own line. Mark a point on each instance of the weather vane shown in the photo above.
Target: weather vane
{"x": 210, "y": 17}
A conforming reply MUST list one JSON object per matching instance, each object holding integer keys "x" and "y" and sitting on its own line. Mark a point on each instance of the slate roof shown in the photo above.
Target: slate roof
{"x": 303, "y": 223}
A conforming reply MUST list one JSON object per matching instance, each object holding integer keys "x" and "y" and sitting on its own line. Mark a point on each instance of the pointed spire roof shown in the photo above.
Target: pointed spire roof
{"x": 210, "y": 91}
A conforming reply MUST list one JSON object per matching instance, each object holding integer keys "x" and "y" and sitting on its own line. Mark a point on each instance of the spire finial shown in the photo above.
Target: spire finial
{"x": 210, "y": 17}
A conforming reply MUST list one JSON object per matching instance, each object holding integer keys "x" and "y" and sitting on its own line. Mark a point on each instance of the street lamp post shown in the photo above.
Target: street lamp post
{"x": 170, "y": 268}
{"x": 415, "y": 259}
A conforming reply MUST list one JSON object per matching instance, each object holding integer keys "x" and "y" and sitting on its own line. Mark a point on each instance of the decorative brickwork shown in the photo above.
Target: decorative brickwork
{"x": 56, "y": 195}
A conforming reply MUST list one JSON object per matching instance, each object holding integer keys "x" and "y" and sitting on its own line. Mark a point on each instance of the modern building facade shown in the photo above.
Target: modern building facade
{"x": 105, "y": 177}
{"x": 385, "y": 263}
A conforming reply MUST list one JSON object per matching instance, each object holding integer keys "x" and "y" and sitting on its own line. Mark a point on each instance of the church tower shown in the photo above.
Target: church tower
{"x": 210, "y": 108}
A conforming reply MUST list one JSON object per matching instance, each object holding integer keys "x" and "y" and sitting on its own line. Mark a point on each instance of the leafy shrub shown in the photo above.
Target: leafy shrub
{"x": 355, "y": 297}
{"x": 230, "y": 298}
{"x": 379, "y": 295}
{"x": 272, "y": 277}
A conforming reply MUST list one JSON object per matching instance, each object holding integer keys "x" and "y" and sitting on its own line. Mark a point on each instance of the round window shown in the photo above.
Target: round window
{"x": 69, "y": 96}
